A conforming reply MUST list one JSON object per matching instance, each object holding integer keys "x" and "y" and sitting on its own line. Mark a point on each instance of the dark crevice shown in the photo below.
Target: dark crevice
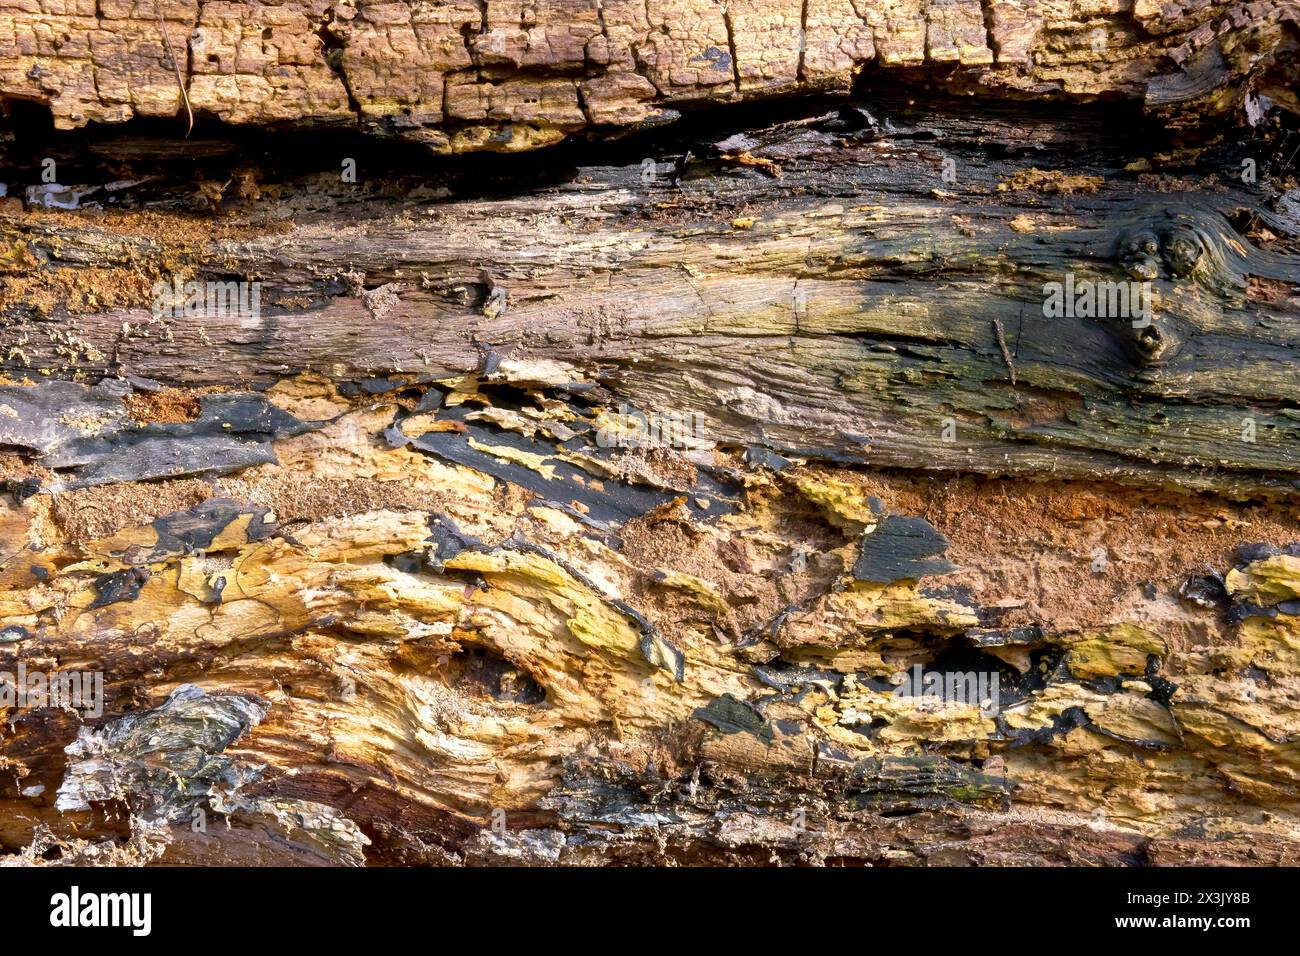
{"x": 332, "y": 49}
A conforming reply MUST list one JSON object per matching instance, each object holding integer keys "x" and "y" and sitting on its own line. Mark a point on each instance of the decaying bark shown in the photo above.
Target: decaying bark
{"x": 469, "y": 75}
{"x": 381, "y": 569}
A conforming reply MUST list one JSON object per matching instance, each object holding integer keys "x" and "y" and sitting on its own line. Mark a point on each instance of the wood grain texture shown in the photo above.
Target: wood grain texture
{"x": 800, "y": 312}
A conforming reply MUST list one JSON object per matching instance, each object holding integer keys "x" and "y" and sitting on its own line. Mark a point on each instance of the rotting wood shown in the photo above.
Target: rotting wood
{"x": 858, "y": 284}
{"x": 467, "y": 75}
{"x": 385, "y": 571}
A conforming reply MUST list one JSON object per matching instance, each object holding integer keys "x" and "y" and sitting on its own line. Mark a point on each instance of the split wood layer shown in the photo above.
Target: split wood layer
{"x": 470, "y": 75}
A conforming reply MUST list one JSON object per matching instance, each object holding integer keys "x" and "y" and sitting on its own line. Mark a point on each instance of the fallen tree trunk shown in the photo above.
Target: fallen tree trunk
{"x": 761, "y": 495}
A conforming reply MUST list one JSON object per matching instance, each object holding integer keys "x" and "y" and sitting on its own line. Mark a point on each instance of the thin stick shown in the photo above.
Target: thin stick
{"x": 1006, "y": 353}
{"x": 180, "y": 83}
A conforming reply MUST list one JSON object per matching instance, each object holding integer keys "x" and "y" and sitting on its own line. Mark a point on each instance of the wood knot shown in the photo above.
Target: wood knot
{"x": 1174, "y": 251}
{"x": 1154, "y": 340}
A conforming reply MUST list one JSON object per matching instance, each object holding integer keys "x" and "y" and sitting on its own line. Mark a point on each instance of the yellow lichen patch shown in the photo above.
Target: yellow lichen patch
{"x": 197, "y": 579}
{"x": 1136, "y": 717}
{"x": 1268, "y": 581}
{"x": 845, "y": 504}
{"x": 699, "y": 590}
{"x": 1270, "y": 706}
{"x": 463, "y": 391}
{"x": 1271, "y": 643}
{"x": 1092, "y": 774}
{"x": 1045, "y": 706}
{"x": 863, "y": 613}
{"x": 1120, "y": 649}
{"x": 616, "y": 429}
{"x": 416, "y": 425}
{"x": 914, "y": 725}
{"x": 528, "y": 459}
{"x": 308, "y": 396}
{"x": 593, "y": 466}
{"x": 1051, "y": 181}
{"x": 909, "y": 720}
{"x": 588, "y": 616}
{"x": 604, "y": 631}
{"x": 821, "y": 707}
{"x": 347, "y": 454}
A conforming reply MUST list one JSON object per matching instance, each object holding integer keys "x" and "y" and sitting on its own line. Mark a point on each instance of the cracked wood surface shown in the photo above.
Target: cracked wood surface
{"x": 801, "y": 312}
{"x": 471, "y": 75}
